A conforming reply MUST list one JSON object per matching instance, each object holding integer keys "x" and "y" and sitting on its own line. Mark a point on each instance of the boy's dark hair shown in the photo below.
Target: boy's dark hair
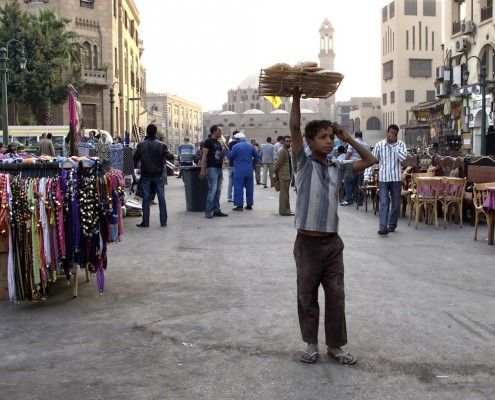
{"x": 313, "y": 127}
{"x": 213, "y": 128}
{"x": 341, "y": 149}
{"x": 151, "y": 130}
{"x": 269, "y": 139}
{"x": 394, "y": 127}
{"x": 49, "y": 135}
{"x": 279, "y": 138}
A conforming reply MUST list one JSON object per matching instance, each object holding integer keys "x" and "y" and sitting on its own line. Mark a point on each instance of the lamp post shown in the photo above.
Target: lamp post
{"x": 4, "y": 59}
{"x": 111, "y": 94}
{"x": 482, "y": 83}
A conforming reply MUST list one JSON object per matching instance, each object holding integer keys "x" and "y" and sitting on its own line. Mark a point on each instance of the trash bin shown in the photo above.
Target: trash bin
{"x": 196, "y": 189}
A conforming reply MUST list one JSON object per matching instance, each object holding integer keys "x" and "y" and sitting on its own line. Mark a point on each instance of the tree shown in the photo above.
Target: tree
{"x": 52, "y": 52}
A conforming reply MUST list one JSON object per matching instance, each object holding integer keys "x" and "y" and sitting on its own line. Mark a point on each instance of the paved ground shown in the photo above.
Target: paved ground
{"x": 206, "y": 309}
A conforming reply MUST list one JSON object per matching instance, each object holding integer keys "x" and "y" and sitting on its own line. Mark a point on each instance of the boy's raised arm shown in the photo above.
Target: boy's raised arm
{"x": 295, "y": 123}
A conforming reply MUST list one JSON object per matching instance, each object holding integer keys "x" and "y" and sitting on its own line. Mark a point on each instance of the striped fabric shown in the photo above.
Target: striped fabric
{"x": 389, "y": 158}
{"x": 317, "y": 193}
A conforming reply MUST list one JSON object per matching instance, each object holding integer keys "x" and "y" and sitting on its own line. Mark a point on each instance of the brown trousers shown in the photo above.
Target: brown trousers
{"x": 320, "y": 260}
{"x": 283, "y": 197}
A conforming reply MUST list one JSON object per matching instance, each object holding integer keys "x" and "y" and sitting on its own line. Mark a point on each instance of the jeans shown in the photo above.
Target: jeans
{"x": 230, "y": 186}
{"x": 389, "y": 191}
{"x": 215, "y": 178}
{"x": 350, "y": 184}
{"x": 149, "y": 186}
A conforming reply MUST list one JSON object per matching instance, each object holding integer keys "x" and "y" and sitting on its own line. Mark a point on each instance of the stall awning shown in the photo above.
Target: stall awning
{"x": 428, "y": 105}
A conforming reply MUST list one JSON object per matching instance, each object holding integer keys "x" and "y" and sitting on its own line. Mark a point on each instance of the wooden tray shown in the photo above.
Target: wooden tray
{"x": 313, "y": 82}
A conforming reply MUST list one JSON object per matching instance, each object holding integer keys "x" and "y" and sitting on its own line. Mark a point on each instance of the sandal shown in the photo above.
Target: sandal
{"x": 308, "y": 358}
{"x": 343, "y": 358}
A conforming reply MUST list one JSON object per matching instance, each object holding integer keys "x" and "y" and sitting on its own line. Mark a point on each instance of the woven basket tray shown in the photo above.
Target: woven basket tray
{"x": 313, "y": 82}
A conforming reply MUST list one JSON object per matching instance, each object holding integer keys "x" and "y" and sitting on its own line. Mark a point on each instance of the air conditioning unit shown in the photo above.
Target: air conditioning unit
{"x": 462, "y": 45}
{"x": 443, "y": 90}
{"x": 442, "y": 73}
{"x": 467, "y": 27}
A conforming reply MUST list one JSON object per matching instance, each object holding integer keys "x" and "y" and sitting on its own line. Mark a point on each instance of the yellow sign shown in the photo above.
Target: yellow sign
{"x": 275, "y": 101}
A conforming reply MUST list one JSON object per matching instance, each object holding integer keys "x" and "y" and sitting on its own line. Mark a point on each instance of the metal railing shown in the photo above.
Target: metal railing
{"x": 456, "y": 27}
{"x": 486, "y": 13}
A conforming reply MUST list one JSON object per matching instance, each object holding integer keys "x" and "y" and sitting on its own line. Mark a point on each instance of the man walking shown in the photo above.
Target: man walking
{"x": 211, "y": 168}
{"x": 152, "y": 155}
{"x": 390, "y": 153}
{"x": 185, "y": 152}
{"x": 257, "y": 166}
{"x": 243, "y": 155}
{"x": 282, "y": 171}
{"x": 351, "y": 179}
{"x": 318, "y": 249}
{"x": 277, "y": 146}
{"x": 46, "y": 146}
{"x": 267, "y": 159}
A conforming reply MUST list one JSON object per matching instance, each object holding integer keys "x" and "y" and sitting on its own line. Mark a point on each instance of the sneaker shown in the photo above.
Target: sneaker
{"x": 229, "y": 200}
{"x": 141, "y": 225}
{"x": 209, "y": 216}
{"x": 220, "y": 214}
{"x": 265, "y": 187}
{"x": 239, "y": 208}
{"x": 345, "y": 203}
{"x": 248, "y": 207}
{"x": 383, "y": 232}
{"x": 390, "y": 229}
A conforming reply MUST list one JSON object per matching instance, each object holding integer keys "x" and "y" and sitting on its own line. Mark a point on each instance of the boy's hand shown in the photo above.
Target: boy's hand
{"x": 341, "y": 133}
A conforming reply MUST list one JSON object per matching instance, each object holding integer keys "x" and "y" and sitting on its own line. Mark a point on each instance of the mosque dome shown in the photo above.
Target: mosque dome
{"x": 250, "y": 82}
{"x": 227, "y": 113}
{"x": 307, "y": 111}
{"x": 253, "y": 111}
{"x": 279, "y": 112}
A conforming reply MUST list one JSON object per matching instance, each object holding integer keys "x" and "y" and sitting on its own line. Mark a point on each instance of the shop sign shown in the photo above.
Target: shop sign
{"x": 476, "y": 107}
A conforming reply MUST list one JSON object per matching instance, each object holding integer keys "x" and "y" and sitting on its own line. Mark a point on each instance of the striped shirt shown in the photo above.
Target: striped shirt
{"x": 390, "y": 157}
{"x": 317, "y": 193}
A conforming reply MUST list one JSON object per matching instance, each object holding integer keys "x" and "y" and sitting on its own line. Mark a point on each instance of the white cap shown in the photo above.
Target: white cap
{"x": 240, "y": 135}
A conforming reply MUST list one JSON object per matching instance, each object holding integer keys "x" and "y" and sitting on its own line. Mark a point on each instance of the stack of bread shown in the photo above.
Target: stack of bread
{"x": 312, "y": 81}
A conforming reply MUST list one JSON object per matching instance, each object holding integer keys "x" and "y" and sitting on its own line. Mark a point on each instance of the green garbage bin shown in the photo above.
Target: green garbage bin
{"x": 196, "y": 189}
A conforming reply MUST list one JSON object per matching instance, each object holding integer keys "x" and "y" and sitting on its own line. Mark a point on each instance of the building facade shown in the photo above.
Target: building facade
{"x": 467, "y": 73}
{"x": 411, "y": 35}
{"x": 344, "y": 109}
{"x": 177, "y": 118}
{"x": 111, "y": 52}
{"x": 368, "y": 120}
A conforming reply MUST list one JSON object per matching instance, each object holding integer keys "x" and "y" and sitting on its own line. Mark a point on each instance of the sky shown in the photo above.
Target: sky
{"x": 199, "y": 49}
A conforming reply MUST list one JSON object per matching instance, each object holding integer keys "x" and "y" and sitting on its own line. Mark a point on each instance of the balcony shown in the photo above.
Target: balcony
{"x": 486, "y": 13}
{"x": 456, "y": 27}
{"x": 92, "y": 77}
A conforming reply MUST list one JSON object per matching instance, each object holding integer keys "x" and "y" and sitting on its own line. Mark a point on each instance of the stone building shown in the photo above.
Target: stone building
{"x": 176, "y": 118}
{"x": 411, "y": 48}
{"x": 111, "y": 54}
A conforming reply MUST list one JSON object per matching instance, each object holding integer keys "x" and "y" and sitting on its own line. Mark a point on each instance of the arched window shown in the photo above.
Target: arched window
{"x": 357, "y": 125}
{"x": 257, "y": 106}
{"x": 251, "y": 105}
{"x": 282, "y": 107}
{"x": 95, "y": 57}
{"x": 373, "y": 124}
{"x": 86, "y": 55}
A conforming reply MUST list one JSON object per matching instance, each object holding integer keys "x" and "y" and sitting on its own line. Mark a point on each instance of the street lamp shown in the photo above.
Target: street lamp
{"x": 112, "y": 103}
{"x": 482, "y": 82}
{"x": 4, "y": 58}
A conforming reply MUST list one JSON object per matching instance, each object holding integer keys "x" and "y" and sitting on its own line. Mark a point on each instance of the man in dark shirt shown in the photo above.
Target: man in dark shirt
{"x": 211, "y": 168}
{"x": 152, "y": 154}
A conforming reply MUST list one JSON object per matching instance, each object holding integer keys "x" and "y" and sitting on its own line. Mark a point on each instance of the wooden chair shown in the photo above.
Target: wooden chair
{"x": 453, "y": 196}
{"x": 368, "y": 190}
{"x": 428, "y": 194}
{"x": 479, "y": 197}
{"x": 410, "y": 200}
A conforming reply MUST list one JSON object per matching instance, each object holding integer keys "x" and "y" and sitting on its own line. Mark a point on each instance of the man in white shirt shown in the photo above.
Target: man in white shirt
{"x": 390, "y": 153}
